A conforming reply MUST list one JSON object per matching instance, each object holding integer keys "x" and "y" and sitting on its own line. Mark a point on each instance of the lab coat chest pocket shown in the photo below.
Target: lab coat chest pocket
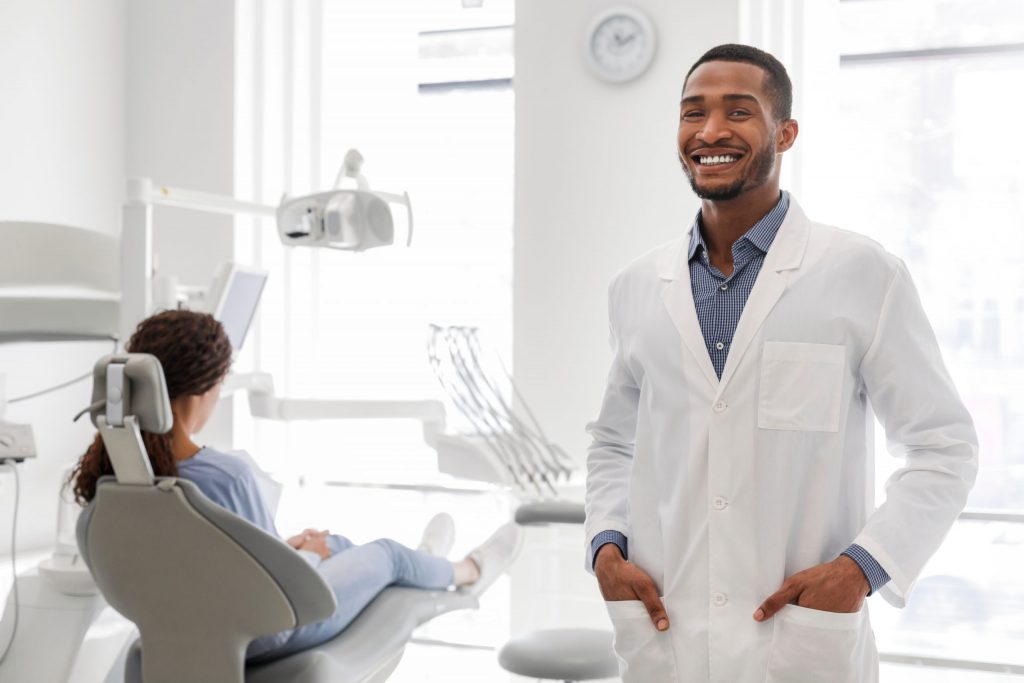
{"x": 644, "y": 653}
{"x": 810, "y": 645}
{"x": 801, "y": 386}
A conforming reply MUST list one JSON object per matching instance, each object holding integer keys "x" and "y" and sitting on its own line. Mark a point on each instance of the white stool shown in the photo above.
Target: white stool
{"x": 563, "y": 654}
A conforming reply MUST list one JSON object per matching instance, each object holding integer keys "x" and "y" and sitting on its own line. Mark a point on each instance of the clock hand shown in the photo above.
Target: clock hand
{"x": 622, "y": 42}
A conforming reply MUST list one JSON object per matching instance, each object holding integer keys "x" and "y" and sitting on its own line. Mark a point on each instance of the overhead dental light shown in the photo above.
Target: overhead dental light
{"x": 342, "y": 218}
{"x": 350, "y": 219}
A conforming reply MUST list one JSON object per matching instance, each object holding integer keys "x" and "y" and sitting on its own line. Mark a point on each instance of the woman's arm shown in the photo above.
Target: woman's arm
{"x": 313, "y": 541}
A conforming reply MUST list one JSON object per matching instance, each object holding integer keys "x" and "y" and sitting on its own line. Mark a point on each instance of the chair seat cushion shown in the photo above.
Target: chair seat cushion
{"x": 565, "y": 654}
{"x": 369, "y": 644}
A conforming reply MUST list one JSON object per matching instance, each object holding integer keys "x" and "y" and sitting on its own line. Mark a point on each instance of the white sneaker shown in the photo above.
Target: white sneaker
{"x": 438, "y": 535}
{"x": 495, "y": 555}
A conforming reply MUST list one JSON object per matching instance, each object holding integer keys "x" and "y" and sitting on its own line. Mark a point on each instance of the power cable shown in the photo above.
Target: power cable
{"x": 14, "y": 563}
{"x": 69, "y": 383}
{"x": 51, "y": 389}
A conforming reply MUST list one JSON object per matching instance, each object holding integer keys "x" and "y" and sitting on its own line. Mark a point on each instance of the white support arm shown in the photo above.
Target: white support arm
{"x": 264, "y": 404}
{"x": 142, "y": 191}
{"x": 287, "y": 409}
{"x": 458, "y": 455}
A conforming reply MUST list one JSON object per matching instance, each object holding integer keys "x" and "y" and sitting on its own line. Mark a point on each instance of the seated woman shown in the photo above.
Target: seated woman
{"x": 196, "y": 354}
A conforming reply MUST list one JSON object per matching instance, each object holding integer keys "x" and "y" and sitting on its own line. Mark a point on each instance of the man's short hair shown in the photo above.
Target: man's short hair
{"x": 777, "y": 83}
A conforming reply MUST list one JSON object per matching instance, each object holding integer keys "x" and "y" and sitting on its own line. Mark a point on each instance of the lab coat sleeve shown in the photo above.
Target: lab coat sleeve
{"x": 925, "y": 422}
{"x": 610, "y": 456}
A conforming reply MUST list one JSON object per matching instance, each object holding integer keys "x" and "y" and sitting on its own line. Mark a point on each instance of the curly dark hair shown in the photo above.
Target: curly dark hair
{"x": 195, "y": 353}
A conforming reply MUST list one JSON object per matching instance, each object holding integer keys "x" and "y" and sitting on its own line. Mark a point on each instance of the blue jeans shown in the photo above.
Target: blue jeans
{"x": 356, "y": 574}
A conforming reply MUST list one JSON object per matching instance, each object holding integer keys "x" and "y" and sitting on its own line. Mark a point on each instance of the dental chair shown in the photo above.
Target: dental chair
{"x": 200, "y": 582}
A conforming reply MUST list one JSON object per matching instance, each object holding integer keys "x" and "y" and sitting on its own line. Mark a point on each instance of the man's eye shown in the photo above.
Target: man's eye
{"x": 739, "y": 113}
{"x": 690, "y": 115}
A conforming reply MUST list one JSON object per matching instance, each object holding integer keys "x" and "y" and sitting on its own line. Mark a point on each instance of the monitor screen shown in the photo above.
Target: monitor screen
{"x": 236, "y": 304}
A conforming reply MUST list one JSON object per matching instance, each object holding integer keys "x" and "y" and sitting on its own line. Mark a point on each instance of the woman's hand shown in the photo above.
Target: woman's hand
{"x": 312, "y": 540}
{"x": 317, "y": 544}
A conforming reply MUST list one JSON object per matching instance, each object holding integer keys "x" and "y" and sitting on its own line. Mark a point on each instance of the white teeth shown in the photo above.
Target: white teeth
{"x": 722, "y": 159}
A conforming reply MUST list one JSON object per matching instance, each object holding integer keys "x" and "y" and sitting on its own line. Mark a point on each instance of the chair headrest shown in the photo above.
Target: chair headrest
{"x": 142, "y": 393}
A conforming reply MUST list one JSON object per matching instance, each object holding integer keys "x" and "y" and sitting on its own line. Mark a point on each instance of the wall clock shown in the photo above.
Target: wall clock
{"x": 620, "y": 44}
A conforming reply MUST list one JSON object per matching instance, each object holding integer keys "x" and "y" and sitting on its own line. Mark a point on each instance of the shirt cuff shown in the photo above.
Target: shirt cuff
{"x": 873, "y": 572}
{"x": 618, "y": 538}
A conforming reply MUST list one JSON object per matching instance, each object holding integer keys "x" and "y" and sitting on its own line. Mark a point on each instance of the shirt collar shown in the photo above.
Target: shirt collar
{"x": 761, "y": 235}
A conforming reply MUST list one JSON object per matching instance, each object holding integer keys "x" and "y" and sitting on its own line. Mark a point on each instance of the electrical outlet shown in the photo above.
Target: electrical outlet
{"x": 16, "y": 442}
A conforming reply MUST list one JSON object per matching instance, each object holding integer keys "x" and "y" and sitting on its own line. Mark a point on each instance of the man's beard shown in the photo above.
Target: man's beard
{"x": 760, "y": 170}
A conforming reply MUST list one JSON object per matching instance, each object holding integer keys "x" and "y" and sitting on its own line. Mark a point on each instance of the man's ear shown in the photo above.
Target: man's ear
{"x": 786, "y": 134}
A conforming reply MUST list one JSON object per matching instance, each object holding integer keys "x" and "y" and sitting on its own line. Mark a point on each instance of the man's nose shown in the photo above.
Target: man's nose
{"x": 715, "y": 128}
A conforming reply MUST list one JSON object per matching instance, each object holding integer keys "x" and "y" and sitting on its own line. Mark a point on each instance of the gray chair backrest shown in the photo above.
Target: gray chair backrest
{"x": 198, "y": 581}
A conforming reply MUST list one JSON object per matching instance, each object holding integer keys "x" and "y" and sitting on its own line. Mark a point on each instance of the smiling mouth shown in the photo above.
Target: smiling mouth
{"x": 715, "y": 160}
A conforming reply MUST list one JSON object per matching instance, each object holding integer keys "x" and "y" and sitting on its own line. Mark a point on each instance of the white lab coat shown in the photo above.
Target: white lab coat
{"x": 726, "y": 488}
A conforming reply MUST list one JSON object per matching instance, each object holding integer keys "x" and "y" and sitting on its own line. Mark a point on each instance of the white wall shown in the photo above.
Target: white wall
{"x": 94, "y": 92}
{"x": 180, "y": 122}
{"x": 62, "y": 119}
{"x": 63, "y": 160}
{"x": 597, "y": 183}
{"x": 180, "y": 132}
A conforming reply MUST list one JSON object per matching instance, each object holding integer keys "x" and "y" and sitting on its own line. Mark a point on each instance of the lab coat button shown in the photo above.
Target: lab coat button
{"x": 720, "y": 503}
{"x": 719, "y": 599}
{"x": 720, "y": 406}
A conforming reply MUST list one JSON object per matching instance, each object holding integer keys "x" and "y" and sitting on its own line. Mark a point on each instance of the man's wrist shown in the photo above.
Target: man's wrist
{"x": 855, "y": 570}
{"x": 608, "y": 553}
{"x": 873, "y": 572}
{"x": 605, "y": 537}
{"x": 615, "y": 550}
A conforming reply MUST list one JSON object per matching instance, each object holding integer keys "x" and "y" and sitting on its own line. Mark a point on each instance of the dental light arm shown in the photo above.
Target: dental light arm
{"x": 340, "y": 219}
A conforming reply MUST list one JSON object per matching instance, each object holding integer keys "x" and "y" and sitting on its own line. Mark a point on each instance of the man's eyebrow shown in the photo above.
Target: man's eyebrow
{"x": 737, "y": 97}
{"x": 742, "y": 97}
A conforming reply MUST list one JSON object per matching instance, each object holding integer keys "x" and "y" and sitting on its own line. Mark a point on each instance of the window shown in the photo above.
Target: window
{"x": 927, "y": 161}
{"x": 425, "y": 94}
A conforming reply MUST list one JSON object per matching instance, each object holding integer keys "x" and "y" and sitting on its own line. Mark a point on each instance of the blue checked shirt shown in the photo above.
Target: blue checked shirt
{"x": 719, "y": 300}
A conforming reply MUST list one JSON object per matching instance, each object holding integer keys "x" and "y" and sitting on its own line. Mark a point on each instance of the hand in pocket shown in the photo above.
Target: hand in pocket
{"x": 836, "y": 586}
{"x": 622, "y": 581}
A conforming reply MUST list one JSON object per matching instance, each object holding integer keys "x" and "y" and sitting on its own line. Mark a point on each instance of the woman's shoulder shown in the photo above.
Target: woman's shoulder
{"x": 217, "y": 463}
{"x": 228, "y": 481}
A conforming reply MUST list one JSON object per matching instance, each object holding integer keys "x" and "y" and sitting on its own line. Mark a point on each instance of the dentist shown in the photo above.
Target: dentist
{"x": 730, "y": 520}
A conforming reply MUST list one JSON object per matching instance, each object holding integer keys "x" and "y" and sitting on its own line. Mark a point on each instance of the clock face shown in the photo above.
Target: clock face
{"x": 621, "y": 45}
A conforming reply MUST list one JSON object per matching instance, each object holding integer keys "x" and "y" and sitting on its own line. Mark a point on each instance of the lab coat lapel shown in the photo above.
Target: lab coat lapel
{"x": 677, "y": 295}
{"x": 784, "y": 256}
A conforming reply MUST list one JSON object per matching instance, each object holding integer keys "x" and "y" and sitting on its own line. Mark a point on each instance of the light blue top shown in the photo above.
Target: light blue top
{"x": 228, "y": 481}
